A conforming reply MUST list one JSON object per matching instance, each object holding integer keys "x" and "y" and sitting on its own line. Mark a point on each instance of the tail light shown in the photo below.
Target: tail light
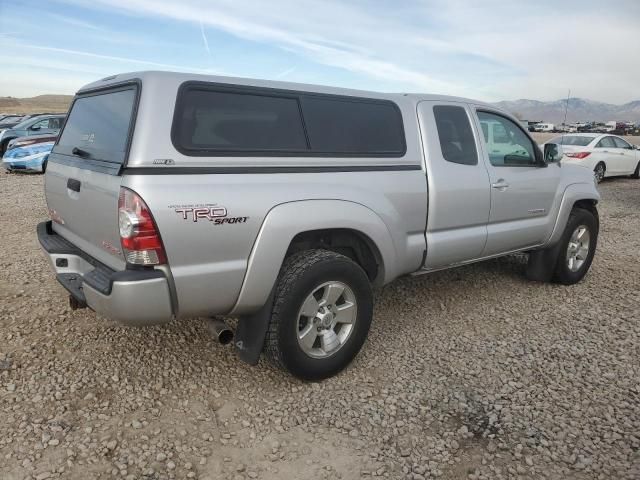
{"x": 578, "y": 155}
{"x": 139, "y": 234}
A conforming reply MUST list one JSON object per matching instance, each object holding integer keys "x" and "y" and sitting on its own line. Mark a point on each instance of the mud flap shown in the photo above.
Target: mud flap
{"x": 542, "y": 264}
{"x": 251, "y": 332}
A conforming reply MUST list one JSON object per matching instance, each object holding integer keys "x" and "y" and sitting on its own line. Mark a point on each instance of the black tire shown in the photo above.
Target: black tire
{"x": 44, "y": 166}
{"x": 300, "y": 275}
{"x": 3, "y": 147}
{"x": 578, "y": 217}
{"x": 596, "y": 172}
{"x": 636, "y": 173}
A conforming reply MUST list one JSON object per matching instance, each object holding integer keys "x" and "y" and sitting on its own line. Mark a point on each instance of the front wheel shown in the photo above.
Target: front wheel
{"x": 321, "y": 314}
{"x": 577, "y": 247}
{"x": 636, "y": 173}
{"x": 3, "y": 147}
{"x": 599, "y": 172}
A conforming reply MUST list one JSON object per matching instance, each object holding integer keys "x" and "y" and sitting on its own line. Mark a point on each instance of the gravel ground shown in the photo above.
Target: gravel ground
{"x": 472, "y": 373}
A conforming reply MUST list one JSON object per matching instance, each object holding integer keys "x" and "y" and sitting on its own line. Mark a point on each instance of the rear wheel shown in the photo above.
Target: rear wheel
{"x": 636, "y": 173}
{"x": 44, "y": 166}
{"x": 599, "y": 172}
{"x": 321, "y": 314}
{"x": 577, "y": 247}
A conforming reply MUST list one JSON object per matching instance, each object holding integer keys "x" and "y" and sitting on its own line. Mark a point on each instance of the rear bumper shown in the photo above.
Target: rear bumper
{"x": 30, "y": 162}
{"x": 131, "y": 297}
{"x": 24, "y": 166}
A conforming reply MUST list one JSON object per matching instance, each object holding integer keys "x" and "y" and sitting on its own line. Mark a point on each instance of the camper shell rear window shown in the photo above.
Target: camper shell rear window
{"x": 224, "y": 120}
{"x": 99, "y": 126}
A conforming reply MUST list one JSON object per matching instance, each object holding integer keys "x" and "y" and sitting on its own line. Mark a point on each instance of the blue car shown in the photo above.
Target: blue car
{"x": 34, "y": 125}
{"x": 28, "y": 158}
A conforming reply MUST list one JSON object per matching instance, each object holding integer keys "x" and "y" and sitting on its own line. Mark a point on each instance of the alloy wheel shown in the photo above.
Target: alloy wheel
{"x": 578, "y": 248}
{"x": 326, "y": 319}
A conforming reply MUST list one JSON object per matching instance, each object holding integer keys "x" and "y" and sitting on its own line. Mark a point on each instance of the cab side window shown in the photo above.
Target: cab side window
{"x": 606, "y": 142}
{"x": 456, "y": 138}
{"x": 55, "y": 123}
{"x": 508, "y": 146}
{"x": 41, "y": 124}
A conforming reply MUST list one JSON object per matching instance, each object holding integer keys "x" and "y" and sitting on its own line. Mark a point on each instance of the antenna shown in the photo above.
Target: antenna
{"x": 566, "y": 107}
{"x": 564, "y": 122}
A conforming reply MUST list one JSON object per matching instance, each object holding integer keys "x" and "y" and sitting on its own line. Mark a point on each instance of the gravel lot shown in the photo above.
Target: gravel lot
{"x": 472, "y": 373}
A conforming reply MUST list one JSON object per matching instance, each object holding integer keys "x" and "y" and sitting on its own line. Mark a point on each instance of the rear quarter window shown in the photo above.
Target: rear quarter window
{"x": 99, "y": 124}
{"x": 621, "y": 143}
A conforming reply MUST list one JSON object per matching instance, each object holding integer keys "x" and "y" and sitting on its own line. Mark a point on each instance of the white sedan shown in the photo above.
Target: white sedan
{"x": 607, "y": 155}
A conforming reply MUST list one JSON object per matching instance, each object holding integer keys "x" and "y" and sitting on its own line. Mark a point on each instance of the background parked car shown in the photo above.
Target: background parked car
{"x": 28, "y": 158}
{"x": 606, "y": 155}
{"x": 13, "y": 119}
{"x": 10, "y": 121}
{"x": 30, "y": 140}
{"x": 545, "y": 127}
{"x": 37, "y": 125}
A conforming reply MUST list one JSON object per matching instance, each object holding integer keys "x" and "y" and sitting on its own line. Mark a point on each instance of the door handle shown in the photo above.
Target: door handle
{"x": 500, "y": 185}
{"x": 73, "y": 184}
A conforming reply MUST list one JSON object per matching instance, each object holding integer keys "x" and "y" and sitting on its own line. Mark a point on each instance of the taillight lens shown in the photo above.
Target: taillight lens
{"x": 139, "y": 234}
{"x": 578, "y": 155}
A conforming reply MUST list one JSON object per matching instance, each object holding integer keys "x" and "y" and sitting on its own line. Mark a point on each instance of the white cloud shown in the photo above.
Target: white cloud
{"x": 584, "y": 46}
{"x": 330, "y": 33}
{"x": 204, "y": 39}
{"x": 491, "y": 50}
{"x": 126, "y": 60}
{"x": 76, "y": 22}
{"x": 285, "y": 73}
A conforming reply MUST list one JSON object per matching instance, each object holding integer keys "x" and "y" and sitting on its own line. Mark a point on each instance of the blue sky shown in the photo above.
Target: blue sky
{"x": 490, "y": 50}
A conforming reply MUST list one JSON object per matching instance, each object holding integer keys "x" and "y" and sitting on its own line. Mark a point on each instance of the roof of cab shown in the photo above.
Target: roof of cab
{"x": 179, "y": 77}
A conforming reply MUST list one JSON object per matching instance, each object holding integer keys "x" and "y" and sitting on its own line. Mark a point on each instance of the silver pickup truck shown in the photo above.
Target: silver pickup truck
{"x": 284, "y": 205}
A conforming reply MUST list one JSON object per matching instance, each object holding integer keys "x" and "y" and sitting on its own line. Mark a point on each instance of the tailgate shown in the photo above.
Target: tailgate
{"x": 82, "y": 180}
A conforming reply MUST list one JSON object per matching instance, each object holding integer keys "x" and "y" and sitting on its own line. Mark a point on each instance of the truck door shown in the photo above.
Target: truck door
{"x": 522, "y": 190}
{"x": 458, "y": 182}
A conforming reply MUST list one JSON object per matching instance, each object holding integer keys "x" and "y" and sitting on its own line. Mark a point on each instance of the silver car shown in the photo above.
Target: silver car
{"x": 174, "y": 195}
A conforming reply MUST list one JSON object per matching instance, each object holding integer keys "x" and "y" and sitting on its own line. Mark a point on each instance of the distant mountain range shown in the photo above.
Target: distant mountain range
{"x": 579, "y": 110}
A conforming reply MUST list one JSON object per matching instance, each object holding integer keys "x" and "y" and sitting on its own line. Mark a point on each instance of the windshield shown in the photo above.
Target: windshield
{"x": 573, "y": 140}
{"x": 7, "y": 120}
{"x": 98, "y": 125}
{"x": 10, "y": 120}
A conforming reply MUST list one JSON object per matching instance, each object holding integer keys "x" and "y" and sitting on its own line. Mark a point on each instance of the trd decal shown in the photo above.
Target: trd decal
{"x": 215, "y": 214}
{"x": 110, "y": 248}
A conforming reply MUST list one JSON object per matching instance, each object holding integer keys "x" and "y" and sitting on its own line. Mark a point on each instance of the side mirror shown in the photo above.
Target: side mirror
{"x": 552, "y": 152}
{"x": 35, "y": 127}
